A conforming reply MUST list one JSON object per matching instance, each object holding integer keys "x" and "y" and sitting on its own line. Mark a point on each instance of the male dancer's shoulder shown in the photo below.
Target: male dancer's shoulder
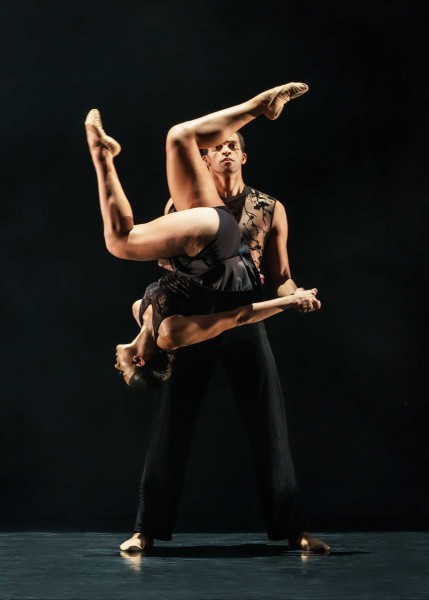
{"x": 252, "y": 203}
{"x": 256, "y": 221}
{"x": 258, "y": 206}
{"x": 260, "y": 199}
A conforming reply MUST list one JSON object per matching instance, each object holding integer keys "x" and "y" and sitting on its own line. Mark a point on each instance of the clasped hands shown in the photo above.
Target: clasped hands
{"x": 306, "y": 300}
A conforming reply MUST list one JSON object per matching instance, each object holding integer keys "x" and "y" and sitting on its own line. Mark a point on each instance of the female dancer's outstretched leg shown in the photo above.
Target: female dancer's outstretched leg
{"x": 190, "y": 183}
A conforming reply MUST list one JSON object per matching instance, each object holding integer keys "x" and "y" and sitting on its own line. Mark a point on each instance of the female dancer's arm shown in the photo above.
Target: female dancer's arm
{"x": 178, "y": 331}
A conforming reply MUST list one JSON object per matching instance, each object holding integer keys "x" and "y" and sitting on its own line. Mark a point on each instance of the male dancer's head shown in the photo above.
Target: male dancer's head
{"x": 225, "y": 162}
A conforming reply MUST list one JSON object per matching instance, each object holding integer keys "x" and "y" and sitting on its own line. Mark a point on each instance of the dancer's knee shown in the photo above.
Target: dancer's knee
{"x": 180, "y": 135}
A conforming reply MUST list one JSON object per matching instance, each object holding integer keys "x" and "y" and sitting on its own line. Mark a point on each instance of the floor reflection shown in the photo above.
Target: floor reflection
{"x": 72, "y": 566}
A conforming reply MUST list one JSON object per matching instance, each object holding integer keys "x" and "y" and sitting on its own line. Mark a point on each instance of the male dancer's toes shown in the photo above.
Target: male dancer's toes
{"x": 97, "y": 137}
{"x": 138, "y": 543}
{"x": 274, "y": 100}
{"x": 308, "y": 543}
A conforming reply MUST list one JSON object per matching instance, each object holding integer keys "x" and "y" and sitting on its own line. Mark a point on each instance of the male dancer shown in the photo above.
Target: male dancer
{"x": 249, "y": 363}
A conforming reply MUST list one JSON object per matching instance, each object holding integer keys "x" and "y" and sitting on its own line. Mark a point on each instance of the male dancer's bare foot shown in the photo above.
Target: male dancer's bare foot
{"x": 274, "y": 100}
{"x": 307, "y": 542}
{"x": 138, "y": 543}
{"x": 96, "y": 136}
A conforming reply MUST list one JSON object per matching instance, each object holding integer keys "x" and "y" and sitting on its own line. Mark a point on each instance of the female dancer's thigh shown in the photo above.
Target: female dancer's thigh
{"x": 189, "y": 179}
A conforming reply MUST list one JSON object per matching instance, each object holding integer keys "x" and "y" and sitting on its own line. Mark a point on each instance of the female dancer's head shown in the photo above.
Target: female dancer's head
{"x": 142, "y": 363}
{"x": 154, "y": 373}
{"x": 143, "y": 367}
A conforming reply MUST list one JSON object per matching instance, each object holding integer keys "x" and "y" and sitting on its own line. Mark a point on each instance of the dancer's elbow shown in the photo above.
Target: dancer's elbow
{"x": 180, "y": 135}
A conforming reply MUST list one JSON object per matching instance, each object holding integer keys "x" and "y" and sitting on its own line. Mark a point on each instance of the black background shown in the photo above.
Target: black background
{"x": 347, "y": 160}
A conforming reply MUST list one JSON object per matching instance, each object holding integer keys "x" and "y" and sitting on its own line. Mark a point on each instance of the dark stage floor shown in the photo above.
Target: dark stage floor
{"x": 41, "y": 565}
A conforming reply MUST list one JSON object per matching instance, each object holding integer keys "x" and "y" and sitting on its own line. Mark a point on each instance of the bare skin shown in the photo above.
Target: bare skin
{"x": 225, "y": 162}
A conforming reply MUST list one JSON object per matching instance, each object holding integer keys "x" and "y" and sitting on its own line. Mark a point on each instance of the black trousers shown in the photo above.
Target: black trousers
{"x": 249, "y": 363}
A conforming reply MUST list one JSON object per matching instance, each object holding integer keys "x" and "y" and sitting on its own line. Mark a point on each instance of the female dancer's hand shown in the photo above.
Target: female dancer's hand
{"x": 305, "y": 300}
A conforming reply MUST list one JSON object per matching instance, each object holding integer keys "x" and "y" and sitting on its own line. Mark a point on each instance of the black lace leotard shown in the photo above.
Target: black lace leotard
{"x": 220, "y": 277}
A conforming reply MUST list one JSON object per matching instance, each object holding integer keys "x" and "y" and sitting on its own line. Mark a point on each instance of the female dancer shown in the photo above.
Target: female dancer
{"x": 212, "y": 288}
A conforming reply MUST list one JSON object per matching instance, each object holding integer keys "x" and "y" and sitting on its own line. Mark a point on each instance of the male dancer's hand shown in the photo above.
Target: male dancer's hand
{"x": 308, "y": 302}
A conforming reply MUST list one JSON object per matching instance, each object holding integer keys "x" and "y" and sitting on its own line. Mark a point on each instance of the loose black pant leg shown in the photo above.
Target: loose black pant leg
{"x": 253, "y": 374}
{"x": 172, "y": 430}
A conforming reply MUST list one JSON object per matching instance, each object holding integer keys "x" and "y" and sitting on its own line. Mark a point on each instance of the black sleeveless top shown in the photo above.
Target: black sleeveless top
{"x": 222, "y": 276}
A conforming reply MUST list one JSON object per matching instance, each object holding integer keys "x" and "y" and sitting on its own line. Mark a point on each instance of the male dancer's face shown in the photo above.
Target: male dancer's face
{"x": 226, "y": 158}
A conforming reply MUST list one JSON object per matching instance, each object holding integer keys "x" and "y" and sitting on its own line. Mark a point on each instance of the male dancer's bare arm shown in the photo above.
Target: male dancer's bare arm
{"x": 178, "y": 331}
{"x": 276, "y": 254}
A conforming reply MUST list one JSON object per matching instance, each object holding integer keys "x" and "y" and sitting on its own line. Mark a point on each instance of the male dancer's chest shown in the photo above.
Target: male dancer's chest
{"x": 254, "y": 213}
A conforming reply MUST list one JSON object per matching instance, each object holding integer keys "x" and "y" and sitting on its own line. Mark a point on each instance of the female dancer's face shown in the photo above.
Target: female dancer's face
{"x": 135, "y": 354}
{"x": 125, "y": 360}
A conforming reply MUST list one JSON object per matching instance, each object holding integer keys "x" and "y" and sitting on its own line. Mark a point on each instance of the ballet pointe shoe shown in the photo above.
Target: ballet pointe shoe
{"x": 308, "y": 543}
{"x": 93, "y": 123}
{"x": 276, "y": 98}
{"x": 137, "y": 543}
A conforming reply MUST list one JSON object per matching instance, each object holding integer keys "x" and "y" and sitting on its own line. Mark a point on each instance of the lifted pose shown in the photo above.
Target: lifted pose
{"x": 213, "y": 286}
